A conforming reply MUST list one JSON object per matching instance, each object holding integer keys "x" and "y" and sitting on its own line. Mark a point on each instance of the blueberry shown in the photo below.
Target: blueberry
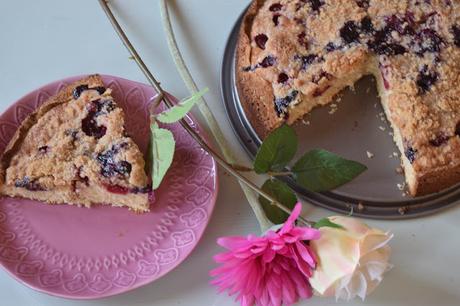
{"x": 302, "y": 39}
{"x": 261, "y": 40}
{"x": 283, "y": 78}
{"x": 323, "y": 74}
{"x": 101, "y": 107}
{"x": 90, "y": 127}
{"x": 81, "y": 88}
{"x": 28, "y": 184}
{"x": 145, "y": 189}
{"x": 96, "y": 108}
{"x": 281, "y": 104}
{"x": 73, "y": 133}
{"x": 410, "y": 154}
{"x": 100, "y": 89}
{"x": 383, "y": 45}
{"x": 307, "y": 60}
{"x": 427, "y": 41}
{"x": 78, "y": 90}
{"x": 366, "y": 25}
{"x": 275, "y": 19}
{"x": 456, "y": 32}
{"x": 439, "y": 140}
{"x": 275, "y": 7}
{"x": 363, "y": 3}
{"x": 331, "y": 47}
{"x": 426, "y": 79}
{"x": 109, "y": 166}
{"x": 350, "y": 32}
{"x": 315, "y": 4}
{"x": 267, "y": 62}
{"x": 43, "y": 149}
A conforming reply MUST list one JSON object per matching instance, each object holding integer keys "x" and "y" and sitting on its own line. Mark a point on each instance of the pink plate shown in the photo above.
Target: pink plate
{"x": 84, "y": 253}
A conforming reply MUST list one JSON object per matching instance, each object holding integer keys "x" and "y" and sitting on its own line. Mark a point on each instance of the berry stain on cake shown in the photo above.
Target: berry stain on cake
{"x": 294, "y": 55}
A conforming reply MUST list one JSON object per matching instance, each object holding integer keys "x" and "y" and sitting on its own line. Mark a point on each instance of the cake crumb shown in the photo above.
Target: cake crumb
{"x": 402, "y": 210}
{"x": 395, "y": 154}
{"x": 360, "y": 206}
{"x": 399, "y": 170}
{"x": 401, "y": 186}
{"x": 333, "y": 108}
{"x": 382, "y": 128}
{"x": 306, "y": 122}
{"x": 369, "y": 154}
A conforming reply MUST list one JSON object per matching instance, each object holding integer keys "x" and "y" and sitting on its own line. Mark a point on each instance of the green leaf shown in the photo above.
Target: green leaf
{"x": 178, "y": 111}
{"x": 325, "y": 222}
{"x": 320, "y": 170}
{"x": 277, "y": 150}
{"x": 283, "y": 194}
{"x": 163, "y": 146}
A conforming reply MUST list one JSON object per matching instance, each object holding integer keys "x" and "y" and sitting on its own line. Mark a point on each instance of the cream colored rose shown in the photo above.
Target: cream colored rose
{"x": 351, "y": 261}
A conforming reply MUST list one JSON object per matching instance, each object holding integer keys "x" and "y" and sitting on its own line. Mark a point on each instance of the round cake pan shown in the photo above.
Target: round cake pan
{"x": 353, "y": 126}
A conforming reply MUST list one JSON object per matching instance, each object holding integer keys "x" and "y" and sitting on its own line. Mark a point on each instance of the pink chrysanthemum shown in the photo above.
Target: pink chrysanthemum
{"x": 269, "y": 270}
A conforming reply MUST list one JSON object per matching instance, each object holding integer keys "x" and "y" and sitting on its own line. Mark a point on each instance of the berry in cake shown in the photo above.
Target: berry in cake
{"x": 317, "y": 48}
{"x": 74, "y": 150}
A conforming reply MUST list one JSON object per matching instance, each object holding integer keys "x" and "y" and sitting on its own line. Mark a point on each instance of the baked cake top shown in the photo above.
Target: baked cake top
{"x": 292, "y": 51}
{"x": 77, "y": 137}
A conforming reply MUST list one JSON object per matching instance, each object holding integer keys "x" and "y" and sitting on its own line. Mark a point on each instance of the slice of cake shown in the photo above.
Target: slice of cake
{"x": 294, "y": 55}
{"x": 74, "y": 150}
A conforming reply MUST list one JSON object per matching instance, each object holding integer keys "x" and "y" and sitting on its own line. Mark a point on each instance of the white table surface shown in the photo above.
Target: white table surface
{"x": 45, "y": 40}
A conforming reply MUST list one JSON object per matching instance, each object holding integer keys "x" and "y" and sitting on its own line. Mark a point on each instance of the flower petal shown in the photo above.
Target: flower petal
{"x": 290, "y": 221}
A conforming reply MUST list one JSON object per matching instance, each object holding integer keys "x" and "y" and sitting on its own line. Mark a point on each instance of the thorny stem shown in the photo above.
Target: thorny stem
{"x": 156, "y": 85}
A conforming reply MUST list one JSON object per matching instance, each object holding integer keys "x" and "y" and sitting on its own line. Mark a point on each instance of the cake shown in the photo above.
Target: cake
{"x": 295, "y": 55}
{"x": 74, "y": 150}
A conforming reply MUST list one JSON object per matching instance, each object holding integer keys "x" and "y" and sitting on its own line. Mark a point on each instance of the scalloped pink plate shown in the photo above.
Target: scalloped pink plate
{"x": 84, "y": 253}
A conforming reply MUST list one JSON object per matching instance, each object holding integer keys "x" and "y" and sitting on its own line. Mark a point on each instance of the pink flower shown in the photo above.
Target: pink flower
{"x": 270, "y": 270}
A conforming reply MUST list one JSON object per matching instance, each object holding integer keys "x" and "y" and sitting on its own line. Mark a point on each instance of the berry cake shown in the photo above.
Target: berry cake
{"x": 294, "y": 55}
{"x": 74, "y": 150}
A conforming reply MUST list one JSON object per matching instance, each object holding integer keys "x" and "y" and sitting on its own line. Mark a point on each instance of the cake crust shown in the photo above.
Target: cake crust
{"x": 253, "y": 90}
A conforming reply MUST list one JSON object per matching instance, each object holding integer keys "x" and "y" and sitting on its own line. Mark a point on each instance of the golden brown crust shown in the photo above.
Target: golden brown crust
{"x": 253, "y": 90}
{"x": 436, "y": 180}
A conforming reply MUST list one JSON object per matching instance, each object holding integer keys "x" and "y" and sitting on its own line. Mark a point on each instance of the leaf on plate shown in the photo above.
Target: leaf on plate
{"x": 178, "y": 111}
{"x": 325, "y": 222}
{"x": 320, "y": 170}
{"x": 277, "y": 150}
{"x": 163, "y": 146}
{"x": 283, "y": 194}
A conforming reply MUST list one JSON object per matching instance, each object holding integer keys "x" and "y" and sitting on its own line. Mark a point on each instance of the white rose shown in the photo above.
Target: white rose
{"x": 351, "y": 261}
